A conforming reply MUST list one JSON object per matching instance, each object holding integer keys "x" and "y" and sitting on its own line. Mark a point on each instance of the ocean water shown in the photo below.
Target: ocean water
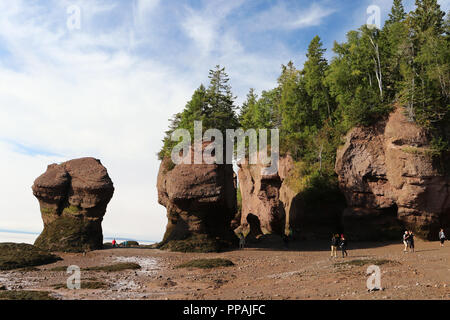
{"x": 18, "y": 237}
{"x": 24, "y": 237}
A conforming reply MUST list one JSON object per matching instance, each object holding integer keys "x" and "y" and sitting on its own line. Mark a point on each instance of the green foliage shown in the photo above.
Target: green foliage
{"x": 72, "y": 210}
{"x": 406, "y": 64}
{"x": 355, "y": 78}
{"x": 21, "y": 255}
{"x": 115, "y": 267}
{"x": 25, "y": 295}
{"x": 91, "y": 285}
{"x": 214, "y": 106}
{"x": 207, "y": 263}
{"x": 239, "y": 199}
{"x": 48, "y": 211}
{"x": 424, "y": 86}
{"x": 398, "y": 13}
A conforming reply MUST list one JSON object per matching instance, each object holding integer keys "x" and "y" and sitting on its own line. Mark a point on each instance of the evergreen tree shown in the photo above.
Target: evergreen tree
{"x": 221, "y": 111}
{"x": 247, "y": 115}
{"x": 213, "y": 106}
{"x": 314, "y": 72}
{"x": 425, "y": 66}
{"x": 428, "y": 15}
{"x": 397, "y": 13}
{"x": 393, "y": 36}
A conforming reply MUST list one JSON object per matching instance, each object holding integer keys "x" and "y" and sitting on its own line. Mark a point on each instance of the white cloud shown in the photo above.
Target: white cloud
{"x": 281, "y": 17}
{"x": 90, "y": 93}
{"x": 203, "y": 25}
{"x": 143, "y": 9}
{"x": 313, "y": 16}
{"x": 75, "y": 99}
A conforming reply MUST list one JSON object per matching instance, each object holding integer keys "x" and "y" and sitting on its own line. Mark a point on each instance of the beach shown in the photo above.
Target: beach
{"x": 303, "y": 271}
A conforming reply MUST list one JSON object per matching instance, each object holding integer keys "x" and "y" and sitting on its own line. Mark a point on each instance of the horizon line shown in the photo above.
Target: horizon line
{"x": 105, "y": 237}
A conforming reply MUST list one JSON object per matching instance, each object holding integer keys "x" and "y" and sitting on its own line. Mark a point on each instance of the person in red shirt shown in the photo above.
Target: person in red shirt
{"x": 114, "y": 243}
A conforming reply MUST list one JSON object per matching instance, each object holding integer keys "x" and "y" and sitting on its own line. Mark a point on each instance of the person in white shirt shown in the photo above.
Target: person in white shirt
{"x": 442, "y": 237}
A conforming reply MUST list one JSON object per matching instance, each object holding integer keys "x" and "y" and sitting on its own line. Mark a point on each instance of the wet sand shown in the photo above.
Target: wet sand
{"x": 304, "y": 271}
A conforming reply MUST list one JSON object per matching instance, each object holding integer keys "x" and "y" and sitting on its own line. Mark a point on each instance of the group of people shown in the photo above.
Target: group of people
{"x": 408, "y": 241}
{"x": 338, "y": 241}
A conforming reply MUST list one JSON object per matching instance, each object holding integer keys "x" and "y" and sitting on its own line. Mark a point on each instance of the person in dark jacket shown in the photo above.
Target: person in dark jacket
{"x": 411, "y": 241}
{"x": 343, "y": 246}
{"x": 334, "y": 245}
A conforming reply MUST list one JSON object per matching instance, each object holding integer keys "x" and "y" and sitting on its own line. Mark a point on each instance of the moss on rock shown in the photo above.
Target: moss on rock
{"x": 70, "y": 234}
{"x": 196, "y": 243}
{"x": 207, "y": 263}
{"x": 22, "y": 255}
{"x": 25, "y": 295}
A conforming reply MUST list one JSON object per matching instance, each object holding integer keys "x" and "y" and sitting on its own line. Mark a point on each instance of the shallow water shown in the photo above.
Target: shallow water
{"x": 18, "y": 237}
{"x": 148, "y": 265}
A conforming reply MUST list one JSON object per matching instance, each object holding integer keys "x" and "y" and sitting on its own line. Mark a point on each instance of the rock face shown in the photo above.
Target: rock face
{"x": 391, "y": 182}
{"x": 261, "y": 198}
{"x": 201, "y": 203}
{"x": 73, "y": 197}
{"x": 278, "y": 208}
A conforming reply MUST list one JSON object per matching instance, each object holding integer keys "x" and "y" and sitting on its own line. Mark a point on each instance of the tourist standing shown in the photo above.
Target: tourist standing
{"x": 334, "y": 245}
{"x": 241, "y": 241}
{"x": 405, "y": 240}
{"x": 411, "y": 241}
{"x": 343, "y": 245}
{"x": 442, "y": 237}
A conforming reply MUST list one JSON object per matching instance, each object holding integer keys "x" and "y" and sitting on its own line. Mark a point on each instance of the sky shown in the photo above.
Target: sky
{"x": 105, "y": 85}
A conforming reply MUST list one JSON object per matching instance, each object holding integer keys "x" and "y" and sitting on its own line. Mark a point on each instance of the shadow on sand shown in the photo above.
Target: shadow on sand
{"x": 276, "y": 243}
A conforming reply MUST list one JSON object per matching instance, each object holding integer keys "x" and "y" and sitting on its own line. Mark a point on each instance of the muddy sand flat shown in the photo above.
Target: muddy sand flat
{"x": 304, "y": 271}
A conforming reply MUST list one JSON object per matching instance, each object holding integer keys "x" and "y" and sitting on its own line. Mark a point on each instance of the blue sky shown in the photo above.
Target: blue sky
{"x": 108, "y": 89}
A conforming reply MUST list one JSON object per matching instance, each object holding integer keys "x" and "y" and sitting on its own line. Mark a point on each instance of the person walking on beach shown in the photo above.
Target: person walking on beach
{"x": 411, "y": 241}
{"x": 405, "y": 241}
{"x": 285, "y": 240}
{"x": 442, "y": 237}
{"x": 334, "y": 245}
{"x": 241, "y": 241}
{"x": 114, "y": 243}
{"x": 343, "y": 245}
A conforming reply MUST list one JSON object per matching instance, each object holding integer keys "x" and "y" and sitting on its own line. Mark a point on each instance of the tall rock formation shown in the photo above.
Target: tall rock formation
{"x": 73, "y": 197}
{"x": 391, "y": 182}
{"x": 201, "y": 203}
{"x": 277, "y": 207}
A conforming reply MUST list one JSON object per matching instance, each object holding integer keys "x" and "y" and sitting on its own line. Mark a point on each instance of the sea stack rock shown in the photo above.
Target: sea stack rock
{"x": 391, "y": 182}
{"x": 201, "y": 203}
{"x": 73, "y": 197}
{"x": 275, "y": 204}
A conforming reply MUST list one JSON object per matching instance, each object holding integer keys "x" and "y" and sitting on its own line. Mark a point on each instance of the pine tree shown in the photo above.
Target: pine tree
{"x": 213, "y": 106}
{"x": 397, "y": 13}
{"x": 248, "y": 111}
{"x": 428, "y": 15}
{"x": 313, "y": 73}
{"x": 221, "y": 111}
{"x": 393, "y": 35}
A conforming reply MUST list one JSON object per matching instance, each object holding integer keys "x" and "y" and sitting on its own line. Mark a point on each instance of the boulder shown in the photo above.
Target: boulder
{"x": 201, "y": 203}
{"x": 73, "y": 197}
{"x": 391, "y": 181}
